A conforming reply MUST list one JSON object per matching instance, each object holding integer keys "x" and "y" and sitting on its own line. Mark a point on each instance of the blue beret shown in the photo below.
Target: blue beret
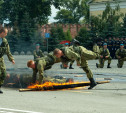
{"x": 121, "y": 44}
{"x": 37, "y": 44}
{"x": 104, "y": 44}
{"x": 66, "y": 44}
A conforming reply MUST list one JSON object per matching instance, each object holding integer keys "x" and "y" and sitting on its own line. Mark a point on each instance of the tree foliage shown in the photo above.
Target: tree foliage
{"x": 73, "y": 11}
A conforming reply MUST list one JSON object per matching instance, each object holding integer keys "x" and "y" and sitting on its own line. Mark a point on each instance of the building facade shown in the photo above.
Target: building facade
{"x": 74, "y": 28}
{"x": 98, "y": 6}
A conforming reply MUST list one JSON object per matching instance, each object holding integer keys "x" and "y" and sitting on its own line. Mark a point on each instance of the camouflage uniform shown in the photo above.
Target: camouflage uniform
{"x": 38, "y": 54}
{"x": 4, "y": 49}
{"x": 104, "y": 53}
{"x": 81, "y": 55}
{"x": 42, "y": 64}
{"x": 122, "y": 54}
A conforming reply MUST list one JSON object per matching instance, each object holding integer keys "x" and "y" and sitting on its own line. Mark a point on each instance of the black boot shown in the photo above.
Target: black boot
{"x": 71, "y": 67}
{"x": 92, "y": 83}
{"x": 97, "y": 65}
{"x": 108, "y": 65}
{"x": 0, "y": 90}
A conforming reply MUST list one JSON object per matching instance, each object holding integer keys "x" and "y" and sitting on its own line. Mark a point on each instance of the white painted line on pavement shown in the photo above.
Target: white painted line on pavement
{"x": 16, "y": 110}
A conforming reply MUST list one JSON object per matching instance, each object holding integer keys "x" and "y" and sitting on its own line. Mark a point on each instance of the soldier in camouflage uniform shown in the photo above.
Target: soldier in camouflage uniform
{"x": 105, "y": 55}
{"x": 121, "y": 55}
{"x": 38, "y": 53}
{"x": 4, "y": 49}
{"x": 41, "y": 64}
{"x": 81, "y": 55}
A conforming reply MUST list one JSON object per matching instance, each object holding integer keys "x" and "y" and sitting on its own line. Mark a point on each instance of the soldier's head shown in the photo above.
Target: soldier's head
{"x": 110, "y": 38}
{"x": 121, "y": 38}
{"x": 3, "y": 32}
{"x": 58, "y": 53}
{"x": 121, "y": 46}
{"x": 31, "y": 64}
{"x": 105, "y": 39}
{"x": 105, "y": 45}
{"x": 37, "y": 46}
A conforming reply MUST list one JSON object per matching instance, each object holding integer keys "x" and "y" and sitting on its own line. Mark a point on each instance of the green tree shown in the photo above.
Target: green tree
{"x": 123, "y": 28}
{"x": 73, "y": 11}
{"x": 57, "y": 35}
{"x": 84, "y": 37}
{"x": 23, "y": 15}
{"x": 107, "y": 24}
{"x": 68, "y": 35}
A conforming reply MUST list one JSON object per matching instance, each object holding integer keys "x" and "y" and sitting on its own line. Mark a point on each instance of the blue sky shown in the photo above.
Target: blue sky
{"x": 54, "y": 10}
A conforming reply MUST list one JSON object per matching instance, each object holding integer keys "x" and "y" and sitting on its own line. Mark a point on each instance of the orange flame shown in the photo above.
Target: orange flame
{"x": 51, "y": 84}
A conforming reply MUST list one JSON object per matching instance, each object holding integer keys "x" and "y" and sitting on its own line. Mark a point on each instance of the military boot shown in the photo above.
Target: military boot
{"x": 71, "y": 67}
{"x": 0, "y": 90}
{"x": 108, "y": 65}
{"x": 97, "y": 65}
{"x": 92, "y": 83}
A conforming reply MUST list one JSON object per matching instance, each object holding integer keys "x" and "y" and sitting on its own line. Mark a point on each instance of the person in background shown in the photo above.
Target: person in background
{"x": 38, "y": 53}
{"x": 104, "y": 55}
{"x": 121, "y": 56}
{"x": 4, "y": 49}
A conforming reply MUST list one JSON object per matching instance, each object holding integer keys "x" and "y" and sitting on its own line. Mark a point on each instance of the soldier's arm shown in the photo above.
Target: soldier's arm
{"x": 35, "y": 55}
{"x": 9, "y": 55}
{"x": 108, "y": 53}
{"x": 73, "y": 56}
{"x": 117, "y": 52}
{"x": 42, "y": 55}
{"x": 100, "y": 51}
{"x": 34, "y": 76}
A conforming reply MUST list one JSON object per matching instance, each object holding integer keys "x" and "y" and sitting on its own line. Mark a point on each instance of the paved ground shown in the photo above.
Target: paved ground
{"x": 105, "y": 98}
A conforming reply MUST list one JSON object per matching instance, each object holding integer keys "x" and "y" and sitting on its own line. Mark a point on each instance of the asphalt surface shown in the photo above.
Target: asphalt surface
{"x": 105, "y": 98}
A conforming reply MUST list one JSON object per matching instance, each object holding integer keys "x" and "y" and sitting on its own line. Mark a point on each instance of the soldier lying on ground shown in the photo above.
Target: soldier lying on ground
{"x": 81, "y": 55}
{"x": 41, "y": 64}
{"x": 104, "y": 55}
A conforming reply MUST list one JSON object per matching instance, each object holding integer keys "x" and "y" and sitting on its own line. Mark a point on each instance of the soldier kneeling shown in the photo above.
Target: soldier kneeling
{"x": 121, "y": 55}
{"x": 104, "y": 55}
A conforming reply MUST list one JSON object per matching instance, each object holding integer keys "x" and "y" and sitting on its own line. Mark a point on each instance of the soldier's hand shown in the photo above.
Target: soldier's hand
{"x": 78, "y": 64}
{"x": 119, "y": 57}
{"x": 65, "y": 65}
{"x": 13, "y": 61}
{"x": 101, "y": 56}
{"x": 106, "y": 56}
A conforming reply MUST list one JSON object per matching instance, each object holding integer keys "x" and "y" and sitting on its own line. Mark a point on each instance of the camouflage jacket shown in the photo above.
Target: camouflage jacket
{"x": 104, "y": 52}
{"x": 71, "y": 53}
{"x": 121, "y": 53}
{"x": 5, "y": 49}
{"x": 45, "y": 63}
{"x": 38, "y": 54}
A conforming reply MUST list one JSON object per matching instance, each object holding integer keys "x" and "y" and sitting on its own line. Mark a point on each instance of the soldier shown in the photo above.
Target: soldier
{"x": 4, "y": 49}
{"x": 110, "y": 45}
{"x": 117, "y": 43}
{"x": 81, "y": 55}
{"x": 113, "y": 47}
{"x": 38, "y": 53}
{"x": 121, "y": 55}
{"x": 125, "y": 43}
{"x": 121, "y": 41}
{"x": 105, "y": 55}
{"x": 41, "y": 64}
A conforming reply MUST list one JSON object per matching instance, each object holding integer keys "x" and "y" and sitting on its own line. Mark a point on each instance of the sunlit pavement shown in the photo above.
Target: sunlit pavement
{"x": 105, "y": 98}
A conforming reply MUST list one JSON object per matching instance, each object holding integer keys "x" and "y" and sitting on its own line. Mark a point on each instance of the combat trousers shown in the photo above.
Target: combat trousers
{"x": 88, "y": 55}
{"x": 2, "y": 71}
{"x": 102, "y": 61}
{"x": 84, "y": 65}
{"x": 121, "y": 62}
